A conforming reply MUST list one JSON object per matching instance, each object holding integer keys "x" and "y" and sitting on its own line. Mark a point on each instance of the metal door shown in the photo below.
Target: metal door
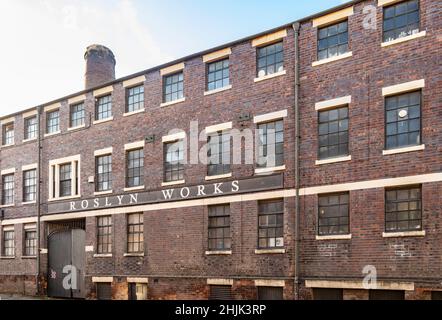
{"x": 66, "y": 264}
{"x": 270, "y": 293}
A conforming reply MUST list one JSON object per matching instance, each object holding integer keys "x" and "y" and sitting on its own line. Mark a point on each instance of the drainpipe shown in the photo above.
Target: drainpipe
{"x": 296, "y": 26}
{"x": 38, "y": 198}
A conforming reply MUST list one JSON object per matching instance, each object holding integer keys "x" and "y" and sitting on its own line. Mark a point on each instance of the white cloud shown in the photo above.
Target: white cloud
{"x": 43, "y": 43}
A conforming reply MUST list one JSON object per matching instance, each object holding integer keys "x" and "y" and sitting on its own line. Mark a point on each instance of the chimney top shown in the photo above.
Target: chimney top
{"x": 100, "y": 66}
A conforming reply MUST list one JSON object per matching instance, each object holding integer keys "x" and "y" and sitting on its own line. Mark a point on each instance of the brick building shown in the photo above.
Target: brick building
{"x": 348, "y": 100}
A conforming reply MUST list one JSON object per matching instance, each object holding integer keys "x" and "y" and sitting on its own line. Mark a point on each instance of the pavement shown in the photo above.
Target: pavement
{"x": 20, "y": 297}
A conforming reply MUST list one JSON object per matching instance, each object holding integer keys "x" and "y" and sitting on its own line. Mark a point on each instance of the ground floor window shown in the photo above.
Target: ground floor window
{"x": 220, "y": 292}
{"x": 387, "y": 295}
{"x": 31, "y": 243}
{"x": 328, "y": 294}
{"x": 9, "y": 243}
{"x": 270, "y": 293}
{"x": 104, "y": 291}
{"x": 137, "y": 291}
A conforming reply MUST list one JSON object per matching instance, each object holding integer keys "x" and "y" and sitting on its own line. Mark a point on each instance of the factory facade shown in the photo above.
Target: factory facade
{"x": 304, "y": 162}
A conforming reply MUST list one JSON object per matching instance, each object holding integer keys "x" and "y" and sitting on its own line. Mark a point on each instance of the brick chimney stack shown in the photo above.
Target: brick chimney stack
{"x": 100, "y": 66}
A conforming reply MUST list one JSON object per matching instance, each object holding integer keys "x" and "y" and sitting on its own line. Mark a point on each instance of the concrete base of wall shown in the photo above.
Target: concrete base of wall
{"x": 22, "y": 285}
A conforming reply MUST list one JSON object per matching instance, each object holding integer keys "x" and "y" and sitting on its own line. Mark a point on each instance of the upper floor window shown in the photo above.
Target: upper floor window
{"x": 403, "y": 209}
{"x": 31, "y": 128}
{"x": 64, "y": 178}
{"x": 104, "y": 235}
{"x": 333, "y": 40}
{"x": 53, "y": 122}
{"x": 270, "y": 59}
{"x": 271, "y": 224}
{"x": 271, "y": 144}
{"x": 135, "y": 233}
{"x": 218, "y": 153}
{"x": 403, "y": 120}
{"x": 103, "y": 108}
{"x": 173, "y": 87}
{"x": 29, "y": 185}
{"x": 8, "y": 134}
{"x": 77, "y": 115}
{"x": 333, "y": 216}
{"x": 135, "y": 98}
{"x": 219, "y": 228}
{"x": 135, "y": 168}
{"x": 30, "y": 243}
{"x": 103, "y": 173}
{"x": 401, "y": 20}
{"x": 8, "y": 189}
{"x": 218, "y": 75}
{"x": 333, "y": 133}
{"x": 9, "y": 243}
{"x": 174, "y": 161}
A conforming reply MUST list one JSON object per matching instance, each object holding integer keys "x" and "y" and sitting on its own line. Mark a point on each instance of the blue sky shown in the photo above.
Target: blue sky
{"x": 43, "y": 60}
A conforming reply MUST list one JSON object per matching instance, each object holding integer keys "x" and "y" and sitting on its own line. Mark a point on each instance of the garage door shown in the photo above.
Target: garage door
{"x": 387, "y": 295}
{"x": 220, "y": 293}
{"x": 270, "y": 293}
{"x": 328, "y": 294}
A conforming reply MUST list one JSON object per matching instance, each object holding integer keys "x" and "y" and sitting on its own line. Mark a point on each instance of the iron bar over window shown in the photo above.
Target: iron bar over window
{"x": 9, "y": 243}
{"x": 403, "y": 209}
{"x": 104, "y": 173}
{"x": 135, "y": 98}
{"x": 30, "y": 243}
{"x": 270, "y": 59}
{"x": 53, "y": 122}
{"x": 271, "y": 144}
{"x": 8, "y": 189}
{"x": 219, "y": 228}
{"x": 29, "y": 185}
{"x": 103, "y": 109}
{"x": 333, "y": 40}
{"x": 8, "y": 134}
{"x": 135, "y": 233}
{"x": 403, "y": 120}
{"x": 271, "y": 224}
{"x": 77, "y": 115}
{"x": 218, "y": 74}
{"x": 218, "y": 153}
{"x": 401, "y": 20}
{"x": 173, "y": 88}
{"x": 104, "y": 235}
{"x": 135, "y": 167}
{"x": 333, "y": 218}
{"x": 333, "y": 133}
{"x": 31, "y": 128}
{"x": 174, "y": 161}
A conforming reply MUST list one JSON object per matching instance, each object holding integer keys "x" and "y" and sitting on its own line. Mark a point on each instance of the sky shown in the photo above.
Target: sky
{"x": 43, "y": 41}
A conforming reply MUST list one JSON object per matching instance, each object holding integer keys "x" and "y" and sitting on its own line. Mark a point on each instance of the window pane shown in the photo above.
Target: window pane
{"x": 332, "y": 40}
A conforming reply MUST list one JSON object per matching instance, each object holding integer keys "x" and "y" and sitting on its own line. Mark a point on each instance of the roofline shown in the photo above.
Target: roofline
{"x": 186, "y": 58}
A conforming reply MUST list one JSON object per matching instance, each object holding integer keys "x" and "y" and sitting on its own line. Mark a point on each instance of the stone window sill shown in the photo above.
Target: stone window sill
{"x": 8, "y": 145}
{"x": 166, "y": 104}
{"x": 134, "y": 254}
{"x": 173, "y": 183}
{"x": 269, "y": 251}
{"x": 51, "y": 134}
{"x": 103, "y": 120}
{"x": 133, "y": 189}
{"x": 219, "y": 253}
{"x": 64, "y": 198}
{"x": 29, "y": 140}
{"x": 128, "y": 114}
{"x": 270, "y": 76}
{"x": 221, "y": 176}
{"x": 77, "y": 127}
{"x": 333, "y": 160}
{"x": 104, "y": 255}
{"x": 7, "y": 205}
{"x": 29, "y": 203}
{"x": 335, "y": 237}
{"x": 404, "y": 39}
{"x": 269, "y": 170}
{"x": 102, "y": 193}
{"x": 404, "y": 234}
{"x": 29, "y": 257}
{"x": 340, "y": 57}
{"x": 7, "y": 258}
{"x": 403, "y": 150}
{"x": 210, "y": 92}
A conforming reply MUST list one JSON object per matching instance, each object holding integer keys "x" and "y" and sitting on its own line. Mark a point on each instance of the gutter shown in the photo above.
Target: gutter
{"x": 296, "y": 26}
